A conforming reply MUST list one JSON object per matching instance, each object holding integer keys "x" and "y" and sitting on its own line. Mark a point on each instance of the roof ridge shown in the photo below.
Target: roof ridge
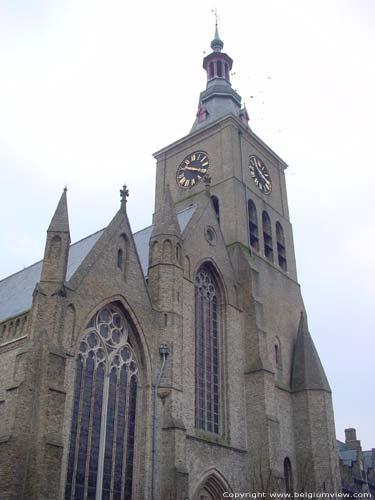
{"x": 79, "y": 241}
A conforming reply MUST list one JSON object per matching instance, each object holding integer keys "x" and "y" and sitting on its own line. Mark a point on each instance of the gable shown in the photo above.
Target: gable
{"x": 16, "y": 290}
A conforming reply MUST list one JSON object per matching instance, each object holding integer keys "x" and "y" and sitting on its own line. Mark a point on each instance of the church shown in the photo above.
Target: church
{"x": 174, "y": 363}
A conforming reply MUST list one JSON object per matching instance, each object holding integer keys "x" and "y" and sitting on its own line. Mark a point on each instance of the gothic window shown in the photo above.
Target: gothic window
{"x": 216, "y": 205}
{"x": 154, "y": 252}
{"x": 207, "y": 362}
{"x": 101, "y": 453}
{"x": 253, "y": 225}
{"x": 122, "y": 254}
{"x": 119, "y": 258}
{"x": 278, "y": 356}
{"x": 55, "y": 248}
{"x": 167, "y": 251}
{"x": 267, "y": 236}
{"x": 281, "y": 246}
{"x": 178, "y": 253}
{"x": 289, "y": 488}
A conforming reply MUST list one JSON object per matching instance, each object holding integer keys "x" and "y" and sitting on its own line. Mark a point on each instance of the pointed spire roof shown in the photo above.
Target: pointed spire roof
{"x": 217, "y": 44}
{"x": 307, "y": 369}
{"x": 60, "y": 220}
{"x": 219, "y": 99}
{"x": 165, "y": 221}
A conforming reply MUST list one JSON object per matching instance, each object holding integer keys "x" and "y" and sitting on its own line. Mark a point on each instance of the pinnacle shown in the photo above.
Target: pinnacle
{"x": 60, "y": 219}
{"x": 166, "y": 219}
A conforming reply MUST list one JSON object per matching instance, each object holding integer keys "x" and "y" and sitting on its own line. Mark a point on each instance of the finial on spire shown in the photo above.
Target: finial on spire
{"x": 124, "y": 193}
{"x": 216, "y": 44}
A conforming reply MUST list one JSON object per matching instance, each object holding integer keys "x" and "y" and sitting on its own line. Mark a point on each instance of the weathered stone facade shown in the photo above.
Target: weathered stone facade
{"x": 274, "y": 401}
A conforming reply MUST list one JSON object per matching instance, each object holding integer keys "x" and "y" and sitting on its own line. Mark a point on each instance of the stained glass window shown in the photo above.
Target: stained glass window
{"x": 101, "y": 453}
{"x": 208, "y": 323}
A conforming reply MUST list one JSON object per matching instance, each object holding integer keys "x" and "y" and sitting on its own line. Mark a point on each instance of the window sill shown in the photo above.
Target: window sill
{"x": 213, "y": 440}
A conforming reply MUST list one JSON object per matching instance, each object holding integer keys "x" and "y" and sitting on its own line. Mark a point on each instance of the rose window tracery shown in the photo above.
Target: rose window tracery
{"x": 100, "y": 461}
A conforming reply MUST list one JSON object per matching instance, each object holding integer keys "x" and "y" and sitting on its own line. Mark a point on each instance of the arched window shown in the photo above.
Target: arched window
{"x": 207, "y": 362}
{"x": 278, "y": 356}
{"x": 281, "y": 246}
{"x": 178, "y": 253}
{"x": 211, "y": 70}
{"x": 216, "y": 205}
{"x": 101, "y": 452}
{"x": 119, "y": 258}
{"x": 55, "y": 248}
{"x": 219, "y": 68}
{"x": 122, "y": 254}
{"x": 288, "y": 476}
{"x": 253, "y": 225}
{"x": 167, "y": 251}
{"x": 267, "y": 236}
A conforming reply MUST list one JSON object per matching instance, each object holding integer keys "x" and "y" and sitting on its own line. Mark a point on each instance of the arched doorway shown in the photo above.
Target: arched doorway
{"x": 212, "y": 487}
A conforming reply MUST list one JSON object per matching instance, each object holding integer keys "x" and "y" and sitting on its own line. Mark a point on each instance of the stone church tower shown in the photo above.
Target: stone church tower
{"x": 174, "y": 363}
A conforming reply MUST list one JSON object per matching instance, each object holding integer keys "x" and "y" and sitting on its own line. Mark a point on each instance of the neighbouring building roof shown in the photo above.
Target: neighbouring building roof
{"x": 16, "y": 290}
{"x": 348, "y": 456}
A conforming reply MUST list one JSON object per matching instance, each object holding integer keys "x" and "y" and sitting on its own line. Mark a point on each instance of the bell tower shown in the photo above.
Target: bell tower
{"x": 249, "y": 196}
{"x": 247, "y": 177}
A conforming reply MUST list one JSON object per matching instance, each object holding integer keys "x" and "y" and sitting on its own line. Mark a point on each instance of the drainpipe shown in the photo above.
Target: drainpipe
{"x": 164, "y": 352}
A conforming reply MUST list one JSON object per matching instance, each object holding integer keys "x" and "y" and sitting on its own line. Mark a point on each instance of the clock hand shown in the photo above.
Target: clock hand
{"x": 195, "y": 169}
{"x": 263, "y": 177}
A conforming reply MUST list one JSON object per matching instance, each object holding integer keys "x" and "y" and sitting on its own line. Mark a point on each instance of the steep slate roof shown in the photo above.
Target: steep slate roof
{"x": 348, "y": 456}
{"x": 16, "y": 290}
{"x": 367, "y": 455}
{"x": 307, "y": 370}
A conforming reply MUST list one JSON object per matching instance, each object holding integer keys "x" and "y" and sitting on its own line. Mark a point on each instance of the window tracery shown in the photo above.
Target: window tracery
{"x": 100, "y": 461}
{"x": 208, "y": 320}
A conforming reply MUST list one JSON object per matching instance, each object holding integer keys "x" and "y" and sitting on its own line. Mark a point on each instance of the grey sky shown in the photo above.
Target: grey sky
{"x": 90, "y": 89}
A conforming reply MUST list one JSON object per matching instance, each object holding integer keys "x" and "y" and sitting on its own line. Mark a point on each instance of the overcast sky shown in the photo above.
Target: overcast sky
{"x": 89, "y": 89}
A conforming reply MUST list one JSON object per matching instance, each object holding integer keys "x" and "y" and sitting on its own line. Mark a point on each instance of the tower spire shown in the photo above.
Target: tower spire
{"x": 60, "y": 220}
{"x": 217, "y": 44}
{"x": 57, "y": 245}
{"x": 166, "y": 219}
{"x": 219, "y": 99}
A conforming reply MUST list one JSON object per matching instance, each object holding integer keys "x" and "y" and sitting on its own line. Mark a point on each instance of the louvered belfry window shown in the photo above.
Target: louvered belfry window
{"x": 207, "y": 377}
{"x": 100, "y": 461}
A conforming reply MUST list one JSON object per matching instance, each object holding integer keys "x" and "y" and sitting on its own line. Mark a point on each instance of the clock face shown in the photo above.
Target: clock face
{"x": 260, "y": 174}
{"x": 192, "y": 169}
